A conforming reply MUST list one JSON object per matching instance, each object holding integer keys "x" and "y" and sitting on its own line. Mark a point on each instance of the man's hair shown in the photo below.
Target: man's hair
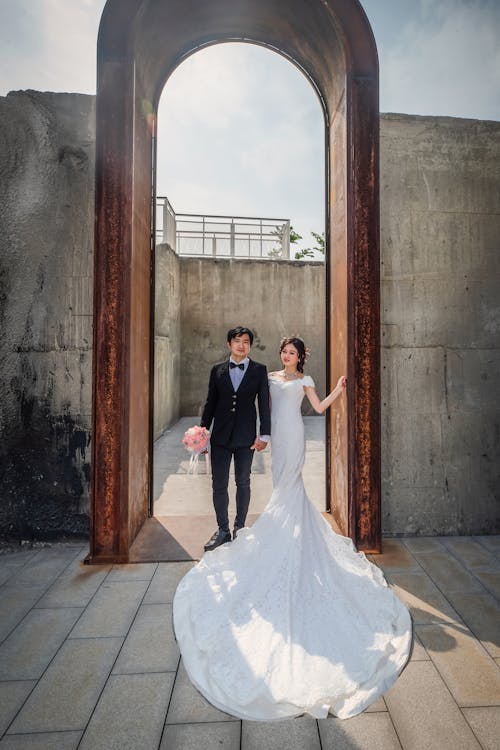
{"x": 239, "y": 331}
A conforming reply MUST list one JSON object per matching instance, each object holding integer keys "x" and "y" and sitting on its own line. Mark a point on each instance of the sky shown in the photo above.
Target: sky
{"x": 240, "y": 130}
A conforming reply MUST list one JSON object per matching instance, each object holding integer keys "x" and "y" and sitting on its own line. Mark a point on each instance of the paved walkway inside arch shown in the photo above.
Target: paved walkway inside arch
{"x": 183, "y": 510}
{"x": 88, "y": 659}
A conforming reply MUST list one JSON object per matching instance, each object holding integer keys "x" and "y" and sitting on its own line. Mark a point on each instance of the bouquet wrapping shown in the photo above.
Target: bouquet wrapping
{"x": 196, "y": 440}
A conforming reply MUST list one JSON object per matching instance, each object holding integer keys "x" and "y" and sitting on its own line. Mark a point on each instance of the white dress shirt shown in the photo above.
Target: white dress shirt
{"x": 236, "y": 373}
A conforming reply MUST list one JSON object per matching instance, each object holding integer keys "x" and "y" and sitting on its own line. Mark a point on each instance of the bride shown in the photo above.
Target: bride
{"x": 288, "y": 618}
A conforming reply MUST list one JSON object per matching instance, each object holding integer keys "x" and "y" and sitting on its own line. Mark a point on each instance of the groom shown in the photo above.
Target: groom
{"x": 233, "y": 387}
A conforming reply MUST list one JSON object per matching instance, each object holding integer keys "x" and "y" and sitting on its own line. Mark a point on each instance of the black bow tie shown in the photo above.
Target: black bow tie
{"x": 233, "y": 364}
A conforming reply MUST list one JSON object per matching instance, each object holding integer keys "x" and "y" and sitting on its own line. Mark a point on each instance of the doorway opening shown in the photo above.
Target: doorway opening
{"x": 240, "y": 138}
{"x": 141, "y": 42}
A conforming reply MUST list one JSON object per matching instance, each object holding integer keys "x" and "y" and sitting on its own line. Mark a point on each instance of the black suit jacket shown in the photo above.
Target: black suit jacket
{"x": 233, "y": 413}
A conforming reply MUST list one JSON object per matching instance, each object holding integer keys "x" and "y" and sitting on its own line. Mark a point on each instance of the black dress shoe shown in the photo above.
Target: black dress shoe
{"x": 218, "y": 538}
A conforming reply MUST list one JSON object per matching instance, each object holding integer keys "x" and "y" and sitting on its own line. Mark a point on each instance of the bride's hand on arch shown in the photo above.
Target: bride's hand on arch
{"x": 322, "y": 406}
{"x": 342, "y": 382}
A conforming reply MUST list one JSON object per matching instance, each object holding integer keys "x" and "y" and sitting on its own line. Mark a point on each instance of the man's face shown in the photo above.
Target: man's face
{"x": 239, "y": 347}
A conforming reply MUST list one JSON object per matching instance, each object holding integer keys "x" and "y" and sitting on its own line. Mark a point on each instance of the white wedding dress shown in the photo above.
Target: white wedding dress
{"x": 289, "y": 618}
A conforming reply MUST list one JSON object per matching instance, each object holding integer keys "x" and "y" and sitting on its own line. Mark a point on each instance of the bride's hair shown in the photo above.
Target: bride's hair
{"x": 302, "y": 349}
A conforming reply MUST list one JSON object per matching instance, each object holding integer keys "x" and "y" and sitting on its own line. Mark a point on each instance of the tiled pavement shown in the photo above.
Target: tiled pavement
{"x": 88, "y": 659}
{"x": 175, "y": 493}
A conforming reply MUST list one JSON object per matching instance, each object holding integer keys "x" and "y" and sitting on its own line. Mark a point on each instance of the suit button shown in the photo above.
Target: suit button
{"x": 233, "y": 409}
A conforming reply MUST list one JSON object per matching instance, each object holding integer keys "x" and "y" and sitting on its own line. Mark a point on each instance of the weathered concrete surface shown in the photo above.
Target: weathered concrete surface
{"x": 273, "y": 298}
{"x": 440, "y": 224}
{"x": 167, "y": 339}
{"x": 46, "y": 240}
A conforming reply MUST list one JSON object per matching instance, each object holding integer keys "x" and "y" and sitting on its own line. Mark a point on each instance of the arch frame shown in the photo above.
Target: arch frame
{"x": 140, "y": 43}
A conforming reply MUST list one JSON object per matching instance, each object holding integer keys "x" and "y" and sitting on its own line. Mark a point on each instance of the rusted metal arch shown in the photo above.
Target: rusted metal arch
{"x": 140, "y": 43}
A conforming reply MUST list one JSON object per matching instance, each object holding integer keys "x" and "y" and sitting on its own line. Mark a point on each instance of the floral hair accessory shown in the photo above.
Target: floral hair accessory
{"x": 196, "y": 440}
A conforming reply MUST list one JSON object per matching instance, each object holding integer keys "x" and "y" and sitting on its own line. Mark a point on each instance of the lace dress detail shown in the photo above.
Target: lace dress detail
{"x": 290, "y": 618}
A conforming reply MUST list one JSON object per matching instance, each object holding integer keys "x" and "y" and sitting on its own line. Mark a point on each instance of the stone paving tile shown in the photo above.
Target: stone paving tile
{"x": 292, "y": 734}
{"x": 363, "y": 732}
{"x": 425, "y": 715}
{"x": 26, "y": 653}
{"x": 395, "y": 556}
{"x": 492, "y": 543}
{"x": 491, "y": 580}
{"x": 485, "y": 723}
{"x": 150, "y": 645}
{"x": 188, "y": 706}
{"x": 13, "y": 560}
{"x": 470, "y": 552}
{"x": 165, "y": 581}
{"x": 76, "y": 586}
{"x": 376, "y": 706}
{"x": 130, "y": 713}
{"x": 418, "y": 652}
{"x": 471, "y": 675}
{"x": 423, "y": 544}
{"x": 12, "y": 697}
{"x": 481, "y": 613}
{"x": 217, "y": 735}
{"x": 45, "y": 566}
{"x": 44, "y": 741}
{"x": 427, "y": 604}
{"x": 447, "y": 573}
{"x": 133, "y": 572}
{"x": 15, "y": 603}
{"x": 65, "y": 696}
{"x": 6, "y": 573}
{"x": 111, "y": 611}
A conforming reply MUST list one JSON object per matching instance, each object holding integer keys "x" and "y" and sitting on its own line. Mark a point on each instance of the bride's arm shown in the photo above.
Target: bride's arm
{"x": 321, "y": 406}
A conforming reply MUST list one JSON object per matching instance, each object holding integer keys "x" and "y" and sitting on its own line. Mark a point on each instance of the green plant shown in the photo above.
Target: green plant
{"x": 310, "y": 252}
{"x": 279, "y": 232}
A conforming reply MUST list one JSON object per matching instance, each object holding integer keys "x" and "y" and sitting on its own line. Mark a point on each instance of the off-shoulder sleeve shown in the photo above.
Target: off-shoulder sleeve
{"x": 307, "y": 381}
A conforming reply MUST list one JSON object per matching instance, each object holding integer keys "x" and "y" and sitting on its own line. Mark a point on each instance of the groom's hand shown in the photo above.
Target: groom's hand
{"x": 259, "y": 445}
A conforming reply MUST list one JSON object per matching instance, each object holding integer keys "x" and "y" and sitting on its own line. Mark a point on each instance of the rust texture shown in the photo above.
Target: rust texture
{"x": 364, "y": 317}
{"x": 109, "y": 539}
{"x": 140, "y": 43}
{"x": 140, "y": 341}
{"x": 337, "y": 317}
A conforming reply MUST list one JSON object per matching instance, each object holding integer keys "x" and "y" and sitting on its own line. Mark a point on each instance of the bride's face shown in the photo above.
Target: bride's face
{"x": 289, "y": 356}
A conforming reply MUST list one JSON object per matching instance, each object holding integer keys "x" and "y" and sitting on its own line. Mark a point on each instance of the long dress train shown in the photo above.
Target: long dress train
{"x": 289, "y": 618}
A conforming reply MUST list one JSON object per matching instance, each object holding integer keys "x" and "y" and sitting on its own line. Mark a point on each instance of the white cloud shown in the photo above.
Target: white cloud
{"x": 205, "y": 90}
{"x": 49, "y": 45}
{"x": 241, "y": 132}
{"x": 446, "y": 61}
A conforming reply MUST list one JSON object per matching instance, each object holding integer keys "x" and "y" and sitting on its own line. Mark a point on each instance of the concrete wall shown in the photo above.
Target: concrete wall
{"x": 440, "y": 190}
{"x": 46, "y": 241}
{"x": 273, "y": 298}
{"x": 441, "y": 325}
{"x": 167, "y": 339}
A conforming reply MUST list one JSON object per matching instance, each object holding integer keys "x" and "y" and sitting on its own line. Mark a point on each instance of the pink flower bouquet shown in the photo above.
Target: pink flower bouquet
{"x": 196, "y": 441}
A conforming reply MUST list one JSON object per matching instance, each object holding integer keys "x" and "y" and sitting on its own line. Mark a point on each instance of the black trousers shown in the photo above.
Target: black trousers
{"x": 221, "y": 461}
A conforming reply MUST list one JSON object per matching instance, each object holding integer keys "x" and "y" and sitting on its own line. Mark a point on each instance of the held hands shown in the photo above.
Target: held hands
{"x": 259, "y": 445}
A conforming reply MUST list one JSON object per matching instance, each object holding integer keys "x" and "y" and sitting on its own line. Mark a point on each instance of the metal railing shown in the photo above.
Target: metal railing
{"x": 222, "y": 236}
